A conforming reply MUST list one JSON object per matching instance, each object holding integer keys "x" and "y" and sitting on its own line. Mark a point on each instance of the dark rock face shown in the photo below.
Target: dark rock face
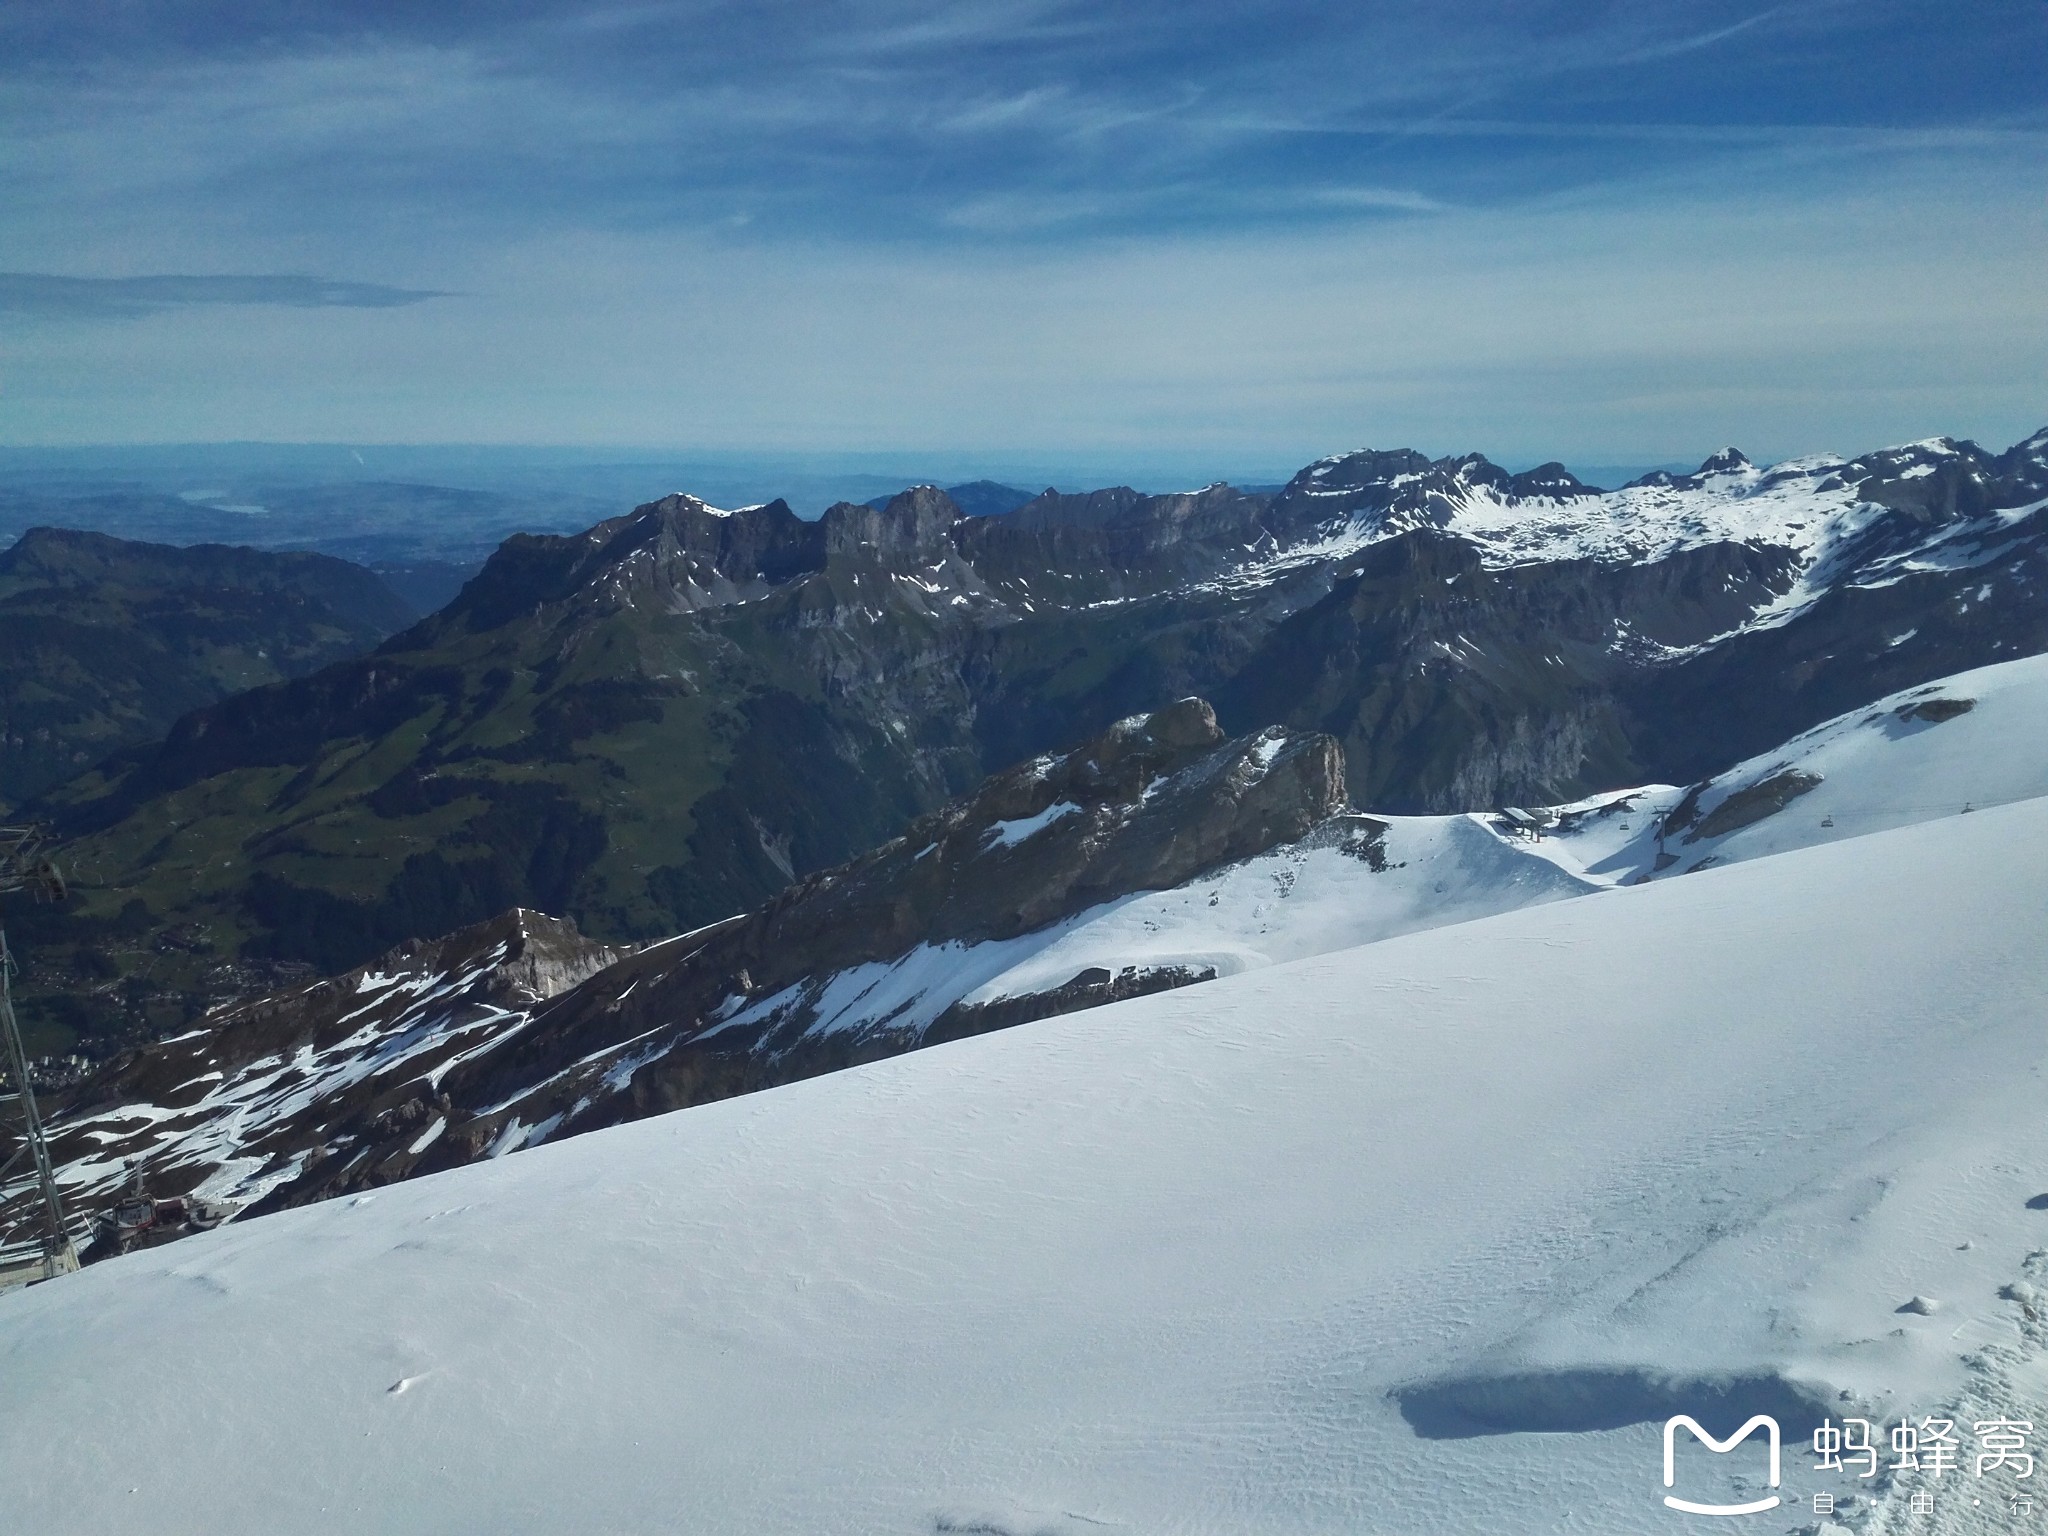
{"x": 1117, "y": 545}
{"x": 917, "y": 525}
{"x": 1091, "y": 988}
{"x": 1402, "y": 490}
{"x": 107, "y": 642}
{"x": 675, "y": 552}
{"x": 1934, "y": 711}
{"x": 1454, "y": 686}
{"x": 1744, "y": 808}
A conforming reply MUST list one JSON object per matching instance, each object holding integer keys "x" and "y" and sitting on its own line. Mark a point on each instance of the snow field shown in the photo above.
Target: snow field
{"x": 1160, "y": 1266}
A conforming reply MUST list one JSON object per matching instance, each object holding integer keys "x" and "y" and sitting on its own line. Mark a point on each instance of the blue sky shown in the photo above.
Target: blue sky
{"x": 1604, "y": 232}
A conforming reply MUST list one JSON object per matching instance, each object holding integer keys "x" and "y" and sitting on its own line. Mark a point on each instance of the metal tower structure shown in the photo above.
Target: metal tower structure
{"x": 41, "y": 1246}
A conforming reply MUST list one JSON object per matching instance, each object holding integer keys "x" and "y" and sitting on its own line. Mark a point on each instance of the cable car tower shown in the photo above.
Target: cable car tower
{"x": 35, "y": 1239}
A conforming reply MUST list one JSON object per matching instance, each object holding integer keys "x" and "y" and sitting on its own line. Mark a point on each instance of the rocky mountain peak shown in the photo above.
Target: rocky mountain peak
{"x": 1385, "y": 494}
{"x": 687, "y": 541}
{"x": 2025, "y": 465}
{"x": 916, "y": 525}
{"x": 1359, "y": 470}
{"x": 1110, "y": 507}
{"x": 1729, "y": 461}
{"x": 520, "y": 956}
{"x": 1472, "y": 469}
{"x": 1552, "y": 480}
{"x": 1184, "y": 724}
{"x": 678, "y": 552}
{"x": 1145, "y": 804}
{"x": 64, "y": 554}
{"x": 1933, "y": 484}
{"x": 976, "y": 498}
{"x": 515, "y": 959}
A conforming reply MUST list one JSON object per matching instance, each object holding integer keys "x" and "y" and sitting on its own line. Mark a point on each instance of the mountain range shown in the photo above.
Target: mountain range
{"x": 665, "y": 720}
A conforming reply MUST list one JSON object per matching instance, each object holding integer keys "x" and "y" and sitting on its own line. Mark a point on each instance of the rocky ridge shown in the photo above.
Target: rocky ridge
{"x": 520, "y": 1029}
{"x": 302, "y": 1083}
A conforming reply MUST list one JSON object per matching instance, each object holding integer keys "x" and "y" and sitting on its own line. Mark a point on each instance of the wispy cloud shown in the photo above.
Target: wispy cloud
{"x": 1390, "y": 199}
{"x": 1025, "y": 212}
{"x": 963, "y": 119}
{"x": 1857, "y": 136}
{"x": 1341, "y": 165}
{"x": 40, "y": 293}
{"x": 1671, "y": 48}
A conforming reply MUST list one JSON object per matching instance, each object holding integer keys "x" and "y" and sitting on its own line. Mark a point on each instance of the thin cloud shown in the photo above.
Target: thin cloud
{"x": 1392, "y": 199}
{"x": 39, "y": 293}
{"x": 1672, "y": 48}
{"x": 1987, "y": 135}
{"x": 1015, "y": 213}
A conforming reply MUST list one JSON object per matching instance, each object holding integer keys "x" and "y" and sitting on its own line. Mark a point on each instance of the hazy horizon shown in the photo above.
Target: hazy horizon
{"x": 596, "y": 476}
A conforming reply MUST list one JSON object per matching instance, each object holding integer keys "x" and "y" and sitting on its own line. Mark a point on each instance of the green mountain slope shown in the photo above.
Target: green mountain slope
{"x": 104, "y": 643}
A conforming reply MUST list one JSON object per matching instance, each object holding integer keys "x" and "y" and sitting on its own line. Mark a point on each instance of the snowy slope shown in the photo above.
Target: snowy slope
{"x": 1914, "y": 756}
{"x": 1802, "y": 504}
{"x": 231, "y": 1111}
{"x": 1199, "y": 1262}
{"x": 1977, "y": 739}
{"x": 1353, "y": 880}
